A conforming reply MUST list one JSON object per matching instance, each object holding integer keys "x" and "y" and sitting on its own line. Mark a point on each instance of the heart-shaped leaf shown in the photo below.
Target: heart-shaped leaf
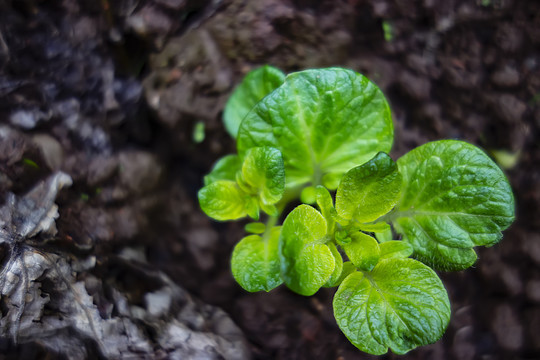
{"x": 400, "y": 305}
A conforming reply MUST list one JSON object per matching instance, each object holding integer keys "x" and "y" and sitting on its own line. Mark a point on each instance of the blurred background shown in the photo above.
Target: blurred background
{"x": 126, "y": 96}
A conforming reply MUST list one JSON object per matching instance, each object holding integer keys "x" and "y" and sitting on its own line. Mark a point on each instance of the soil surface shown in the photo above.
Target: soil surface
{"x": 110, "y": 92}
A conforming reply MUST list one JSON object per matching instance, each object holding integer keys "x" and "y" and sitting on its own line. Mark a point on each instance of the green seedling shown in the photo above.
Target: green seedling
{"x": 199, "y": 132}
{"x": 388, "y": 31}
{"x": 373, "y": 227}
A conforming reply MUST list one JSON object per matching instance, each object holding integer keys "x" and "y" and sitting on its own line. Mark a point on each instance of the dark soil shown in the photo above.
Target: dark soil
{"x": 116, "y": 88}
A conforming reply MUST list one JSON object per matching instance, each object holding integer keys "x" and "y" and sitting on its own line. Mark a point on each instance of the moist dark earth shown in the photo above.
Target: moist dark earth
{"x": 110, "y": 93}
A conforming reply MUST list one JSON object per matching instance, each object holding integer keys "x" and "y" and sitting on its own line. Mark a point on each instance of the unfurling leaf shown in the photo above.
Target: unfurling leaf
{"x": 363, "y": 251}
{"x": 263, "y": 172}
{"x": 369, "y": 191}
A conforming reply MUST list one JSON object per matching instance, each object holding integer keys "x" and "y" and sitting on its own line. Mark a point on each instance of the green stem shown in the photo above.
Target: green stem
{"x": 270, "y": 223}
{"x": 317, "y": 175}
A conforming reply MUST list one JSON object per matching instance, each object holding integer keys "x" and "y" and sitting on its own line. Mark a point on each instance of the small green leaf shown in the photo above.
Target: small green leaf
{"x": 263, "y": 172}
{"x": 506, "y": 159}
{"x": 326, "y": 205}
{"x": 252, "y": 207}
{"x": 198, "y": 132}
{"x": 224, "y": 169}
{"x": 308, "y": 195}
{"x": 454, "y": 198}
{"x": 306, "y": 261}
{"x": 30, "y": 163}
{"x": 269, "y": 209}
{"x": 256, "y": 85}
{"x": 255, "y": 228}
{"x": 348, "y": 268}
{"x": 223, "y": 200}
{"x": 379, "y": 227}
{"x": 324, "y": 121}
{"x": 331, "y": 180}
{"x": 332, "y": 281}
{"x": 400, "y": 305}
{"x": 369, "y": 191}
{"x": 363, "y": 251}
{"x": 395, "y": 249}
{"x": 255, "y": 262}
{"x": 384, "y": 236}
{"x": 388, "y": 31}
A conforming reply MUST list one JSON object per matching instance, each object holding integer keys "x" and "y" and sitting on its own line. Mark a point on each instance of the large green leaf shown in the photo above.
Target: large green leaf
{"x": 454, "y": 197}
{"x": 370, "y": 190}
{"x": 255, "y": 262}
{"x": 256, "y": 85}
{"x": 264, "y": 174}
{"x": 224, "y": 169}
{"x": 223, "y": 200}
{"x": 306, "y": 261}
{"x": 323, "y": 121}
{"x": 400, "y": 305}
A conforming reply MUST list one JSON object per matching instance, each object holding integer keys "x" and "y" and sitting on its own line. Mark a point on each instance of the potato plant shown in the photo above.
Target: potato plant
{"x": 375, "y": 228}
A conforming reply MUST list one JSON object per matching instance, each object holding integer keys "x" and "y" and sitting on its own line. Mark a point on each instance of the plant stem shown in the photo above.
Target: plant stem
{"x": 270, "y": 223}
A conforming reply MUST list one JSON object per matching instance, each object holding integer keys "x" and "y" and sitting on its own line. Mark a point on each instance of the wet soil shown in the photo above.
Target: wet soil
{"x": 111, "y": 91}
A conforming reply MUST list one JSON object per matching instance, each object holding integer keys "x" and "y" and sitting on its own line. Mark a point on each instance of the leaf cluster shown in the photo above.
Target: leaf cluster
{"x": 373, "y": 227}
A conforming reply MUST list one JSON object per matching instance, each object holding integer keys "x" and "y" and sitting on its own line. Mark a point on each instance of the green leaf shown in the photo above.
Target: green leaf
{"x": 331, "y": 180}
{"x": 379, "y": 227}
{"x": 255, "y": 228}
{"x": 385, "y": 235}
{"x": 395, "y": 249}
{"x": 223, "y": 200}
{"x": 400, "y": 305}
{"x": 326, "y": 205}
{"x": 323, "y": 121}
{"x": 348, "y": 268}
{"x": 269, "y": 209}
{"x": 308, "y": 195}
{"x": 454, "y": 197}
{"x": 224, "y": 169}
{"x": 369, "y": 191}
{"x": 255, "y": 262}
{"x": 306, "y": 261}
{"x": 252, "y": 207}
{"x": 198, "y": 132}
{"x": 263, "y": 172}
{"x": 363, "y": 251}
{"x": 256, "y": 85}
{"x": 338, "y": 260}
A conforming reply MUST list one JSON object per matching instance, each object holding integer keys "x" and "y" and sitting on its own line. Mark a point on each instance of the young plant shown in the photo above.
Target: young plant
{"x": 390, "y": 223}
